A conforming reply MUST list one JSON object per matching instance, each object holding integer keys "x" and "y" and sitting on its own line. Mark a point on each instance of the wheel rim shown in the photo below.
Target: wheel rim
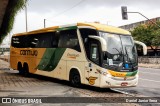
{"x": 75, "y": 80}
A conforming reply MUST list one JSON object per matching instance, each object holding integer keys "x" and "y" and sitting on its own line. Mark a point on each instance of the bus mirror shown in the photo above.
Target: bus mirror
{"x": 143, "y": 45}
{"x": 101, "y": 40}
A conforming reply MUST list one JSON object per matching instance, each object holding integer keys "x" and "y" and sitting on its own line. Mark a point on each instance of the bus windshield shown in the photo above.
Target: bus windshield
{"x": 120, "y": 49}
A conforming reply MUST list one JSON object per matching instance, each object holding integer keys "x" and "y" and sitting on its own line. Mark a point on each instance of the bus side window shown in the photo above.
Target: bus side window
{"x": 84, "y": 34}
{"x": 34, "y": 41}
{"x": 94, "y": 53}
{"x": 42, "y": 40}
{"x": 15, "y": 41}
{"x": 69, "y": 39}
{"x": 54, "y": 40}
{"x": 18, "y": 42}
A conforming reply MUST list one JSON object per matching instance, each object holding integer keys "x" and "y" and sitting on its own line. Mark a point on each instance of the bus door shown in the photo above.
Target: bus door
{"x": 94, "y": 57}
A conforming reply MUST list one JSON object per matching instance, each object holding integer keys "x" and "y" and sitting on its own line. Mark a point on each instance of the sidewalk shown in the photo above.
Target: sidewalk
{"x": 4, "y": 64}
{"x": 157, "y": 66}
{"x": 5, "y": 57}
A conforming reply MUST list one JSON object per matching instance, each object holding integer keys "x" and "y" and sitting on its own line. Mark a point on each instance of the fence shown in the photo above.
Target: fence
{"x": 5, "y": 55}
{"x": 149, "y": 59}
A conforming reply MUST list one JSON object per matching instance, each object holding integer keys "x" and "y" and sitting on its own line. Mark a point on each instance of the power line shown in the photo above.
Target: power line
{"x": 69, "y": 8}
{"x": 45, "y": 20}
{"x": 52, "y": 21}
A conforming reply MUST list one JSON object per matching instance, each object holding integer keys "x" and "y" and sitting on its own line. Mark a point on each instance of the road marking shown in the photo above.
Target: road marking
{"x": 150, "y": 73}
{"x": 121, "y": 91}
{"x": 148, "y": 80}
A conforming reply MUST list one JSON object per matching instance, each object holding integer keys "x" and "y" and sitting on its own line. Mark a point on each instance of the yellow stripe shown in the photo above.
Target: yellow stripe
{"x": 106, "y": 28}
{"x": 117, "y": 74}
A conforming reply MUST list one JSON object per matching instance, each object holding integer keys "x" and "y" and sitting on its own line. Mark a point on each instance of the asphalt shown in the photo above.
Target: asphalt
{"x": 149, "y": 83}
{"x": 14, "y": 85}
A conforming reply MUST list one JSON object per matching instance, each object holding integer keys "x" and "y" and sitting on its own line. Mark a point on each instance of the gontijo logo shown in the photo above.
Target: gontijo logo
{"x": 29, "y": 52}
{"x": 73, "y": 56}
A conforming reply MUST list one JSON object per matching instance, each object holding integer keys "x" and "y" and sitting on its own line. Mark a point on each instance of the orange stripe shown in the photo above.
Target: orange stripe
{"x": 72, "y": 57}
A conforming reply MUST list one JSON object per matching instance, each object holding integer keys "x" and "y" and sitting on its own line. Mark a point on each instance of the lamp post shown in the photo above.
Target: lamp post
{"x": 44, "y": 23}
{"x": 26, "y": 18}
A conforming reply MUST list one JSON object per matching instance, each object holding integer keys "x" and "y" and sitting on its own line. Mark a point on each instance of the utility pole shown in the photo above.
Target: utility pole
{"x": 26, "y": 18}
{"x": 44, "y": 23}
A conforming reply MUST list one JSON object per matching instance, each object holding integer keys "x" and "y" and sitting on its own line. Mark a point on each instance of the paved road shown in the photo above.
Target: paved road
{"x": 149, "y": 83}
{"x": 14, "y": 85}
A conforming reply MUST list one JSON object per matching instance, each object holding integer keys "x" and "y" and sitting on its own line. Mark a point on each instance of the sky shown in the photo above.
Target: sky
{"x": 61, "y": 12}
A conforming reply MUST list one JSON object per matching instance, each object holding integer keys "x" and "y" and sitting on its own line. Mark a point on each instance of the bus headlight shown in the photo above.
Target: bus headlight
{"x": 109, "y": 75}
{"x": 104, "y": 73}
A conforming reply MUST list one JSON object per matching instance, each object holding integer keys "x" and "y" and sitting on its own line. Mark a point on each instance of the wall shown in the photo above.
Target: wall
{"x": 149, "y": 60}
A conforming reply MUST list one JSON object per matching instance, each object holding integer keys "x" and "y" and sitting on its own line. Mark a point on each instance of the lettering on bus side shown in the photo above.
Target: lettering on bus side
{"x": 73, "y": 56}
{"x": 29, "y": 52}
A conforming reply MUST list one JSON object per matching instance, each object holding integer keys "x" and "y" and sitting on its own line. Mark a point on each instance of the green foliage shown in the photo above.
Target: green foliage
{"x": 148, "y": 34}
{"x": 12, "y": 8}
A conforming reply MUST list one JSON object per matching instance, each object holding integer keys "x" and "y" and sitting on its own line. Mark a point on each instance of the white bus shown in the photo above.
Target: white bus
{"x": 83, "y": 53}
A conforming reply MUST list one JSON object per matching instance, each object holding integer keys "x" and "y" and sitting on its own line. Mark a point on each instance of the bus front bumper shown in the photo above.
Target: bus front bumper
{"x": 118, "y": 82}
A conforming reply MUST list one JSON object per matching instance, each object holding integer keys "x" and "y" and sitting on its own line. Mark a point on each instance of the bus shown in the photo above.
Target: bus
{"x": 83, "y": 53}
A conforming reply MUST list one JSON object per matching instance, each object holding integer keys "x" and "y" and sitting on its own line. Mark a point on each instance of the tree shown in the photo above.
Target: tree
{"x": 148, "y": 34}
{"x": 8, "y": 20}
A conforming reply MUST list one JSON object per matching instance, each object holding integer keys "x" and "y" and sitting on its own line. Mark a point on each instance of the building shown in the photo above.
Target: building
{"x": 131, "y": 26}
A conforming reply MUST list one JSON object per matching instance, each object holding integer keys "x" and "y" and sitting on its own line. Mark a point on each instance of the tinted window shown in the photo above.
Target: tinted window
{"x": 69, "y": 39}
{"x": 94, "y": 53}
{"x": 43, "y": 40}
{"x": 84, "y": 34}
{"x": 18, "y": 41}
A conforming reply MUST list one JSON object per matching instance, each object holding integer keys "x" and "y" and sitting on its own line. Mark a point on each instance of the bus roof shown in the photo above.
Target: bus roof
{"x": 96, "y": 26}
{"x": 105, "y": 28}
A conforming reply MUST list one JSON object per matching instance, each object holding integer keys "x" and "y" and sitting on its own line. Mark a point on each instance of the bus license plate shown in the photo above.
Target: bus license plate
{"x": 124, "y": 83}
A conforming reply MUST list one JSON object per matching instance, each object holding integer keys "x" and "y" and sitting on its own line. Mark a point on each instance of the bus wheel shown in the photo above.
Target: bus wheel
{"x": 74, "y": 78}
{"x": 19, "y": 68}
{"x": 25, "y": 70}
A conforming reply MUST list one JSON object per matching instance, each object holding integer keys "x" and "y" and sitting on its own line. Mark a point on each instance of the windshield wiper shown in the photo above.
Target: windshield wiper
{"x": 120, "y": 52}
{"x": 127, "y": 55}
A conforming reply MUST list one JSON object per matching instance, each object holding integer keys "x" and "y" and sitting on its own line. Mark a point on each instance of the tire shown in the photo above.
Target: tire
{"x": 74, "y": 78}
{"x": 26, "y": 70}
{"x": 19, "y": 68}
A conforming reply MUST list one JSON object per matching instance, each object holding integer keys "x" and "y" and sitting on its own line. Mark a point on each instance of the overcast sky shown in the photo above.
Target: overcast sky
{"x": 59, "y": 12}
